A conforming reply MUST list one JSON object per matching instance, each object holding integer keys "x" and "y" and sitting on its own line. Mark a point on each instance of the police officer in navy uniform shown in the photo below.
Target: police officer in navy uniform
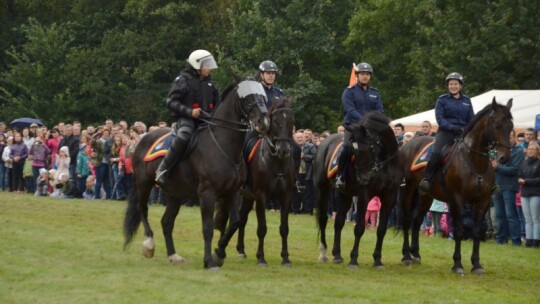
{"x": 192, "y": 92}
{"x": 267, "y": 72}
{"x": 357, "y": 100}
{"x": 453, "y": 112}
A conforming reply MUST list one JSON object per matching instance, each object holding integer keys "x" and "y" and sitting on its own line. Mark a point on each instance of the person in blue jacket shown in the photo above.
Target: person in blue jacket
{"x": 453, "y": 112}
{"x": 357, "y": 100}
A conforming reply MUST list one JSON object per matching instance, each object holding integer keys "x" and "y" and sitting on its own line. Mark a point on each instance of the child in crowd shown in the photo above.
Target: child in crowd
{"x": 42, "y": 183}
{"x": 89, "y": 192}
{"x": 372, "y": 212}
{"x": 436, "y": 210}
{"x": 62, "y": 163}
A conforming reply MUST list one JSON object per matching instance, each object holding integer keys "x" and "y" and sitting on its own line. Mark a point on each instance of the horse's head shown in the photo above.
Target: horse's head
{"x": 281, "y": 127}
{"x": 252, "y": 102}
{"x": 498, "y": 131}
{"x": 362, "y": 148}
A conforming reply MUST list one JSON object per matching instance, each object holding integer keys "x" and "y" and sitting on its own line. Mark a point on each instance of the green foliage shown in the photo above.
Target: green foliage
{"x": 92, "y": 59}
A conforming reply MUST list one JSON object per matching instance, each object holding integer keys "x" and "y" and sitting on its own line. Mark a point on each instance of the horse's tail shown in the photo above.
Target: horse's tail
{"x": 132, "y": 218}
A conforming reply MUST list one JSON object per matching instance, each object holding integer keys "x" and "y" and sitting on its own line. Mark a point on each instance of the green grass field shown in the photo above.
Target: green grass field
{"x": 70, "y": 251}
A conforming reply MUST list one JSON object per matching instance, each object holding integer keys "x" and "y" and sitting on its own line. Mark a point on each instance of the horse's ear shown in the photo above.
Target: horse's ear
{"x": 509, "y": 103}
{"x": 494, "y": 103}
{"x": 235, "y": 75}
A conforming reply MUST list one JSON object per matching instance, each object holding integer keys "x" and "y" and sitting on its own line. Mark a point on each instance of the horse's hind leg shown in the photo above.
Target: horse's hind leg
{"x": 422, "y": 209}
{"x": 407, "y": 195}
{"x": 322, "y": 218}
{"x": 143, "y": 192}
{"x": 167, "y": 224}
{"x": 246, "y": 207}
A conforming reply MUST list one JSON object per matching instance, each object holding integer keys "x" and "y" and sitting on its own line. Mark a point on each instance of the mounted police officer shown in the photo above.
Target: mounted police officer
{"x": 267, "y": 72}
{"x": 453, "y": 112}
{"x": 192, "y": 92}
{"x": 357, "y": 100}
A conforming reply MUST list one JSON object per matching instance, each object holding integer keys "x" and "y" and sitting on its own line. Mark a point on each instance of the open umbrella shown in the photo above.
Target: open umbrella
{"x": 21, "y": 123}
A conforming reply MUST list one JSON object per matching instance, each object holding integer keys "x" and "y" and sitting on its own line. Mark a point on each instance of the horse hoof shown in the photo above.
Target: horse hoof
{"x": 213, "y": 269}
{"x": 407, "y": 262}
{"x": 417, "y": 260}
{"x": 323, "y": 258}
{"x": 338, "y": 260}
{"x": 458, "y": 271}
{"x": 378, "y": 267}
{"x": 242, "y": 256}
{"x": 148, "y": 248}
{"x": 219, "y": 261}
{"x": 287, "y": 264}
{"x": 352, "y": 266}
{"x": 175, "y": 259}
{"x": 478, "y": 271}
{"x": 262, "y": 264}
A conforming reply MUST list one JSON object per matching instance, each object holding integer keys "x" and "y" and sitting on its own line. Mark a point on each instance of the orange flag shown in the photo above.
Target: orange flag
{"x": 352, "y": 79}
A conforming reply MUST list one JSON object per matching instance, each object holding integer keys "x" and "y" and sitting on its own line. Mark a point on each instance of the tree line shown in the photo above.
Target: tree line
{"x": 87, "y": 60}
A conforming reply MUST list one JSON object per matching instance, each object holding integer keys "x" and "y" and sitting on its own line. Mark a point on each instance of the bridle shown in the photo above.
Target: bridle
{"x": 271, "y": 142}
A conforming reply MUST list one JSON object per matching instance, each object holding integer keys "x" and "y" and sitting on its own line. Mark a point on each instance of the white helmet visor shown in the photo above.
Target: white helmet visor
{"x": 208, "y": 62}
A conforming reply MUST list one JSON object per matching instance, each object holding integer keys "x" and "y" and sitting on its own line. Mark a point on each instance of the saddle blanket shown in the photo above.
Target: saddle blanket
{"x": 332, "y": 166}
{"x": 159, "y": 148}
{"x": 421, "y": 159}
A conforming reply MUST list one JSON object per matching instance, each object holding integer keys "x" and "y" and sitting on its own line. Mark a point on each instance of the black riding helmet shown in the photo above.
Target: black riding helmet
{"x": 456, "y": 76}
{"x": 268, "y": 66}
{"x": 363, "y": 67}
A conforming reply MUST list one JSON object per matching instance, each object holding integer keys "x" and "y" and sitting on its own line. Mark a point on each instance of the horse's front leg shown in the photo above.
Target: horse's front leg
{"x": 343, "y": 208}
{"x": 387, "y": 203}
{"x": 284, "y": 226}
{"x": 233, "y": 205}
{"x": 359, "y": 229}
{"x": 322, "y": 195}
{"x": 247, "y": 205}
{"x": 262, "y": 229}
{"x": 167, "y": 224}
{"x": 207, "y": 200}
{"x": 406, "y": 201}
{"x": 478, "y": 231}
{"x": 458, "y": 235}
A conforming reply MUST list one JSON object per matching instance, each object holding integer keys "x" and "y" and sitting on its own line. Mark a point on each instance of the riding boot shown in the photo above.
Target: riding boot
{"x": 433, "y": 164}
{"x": 342, "y": 165}
{"x": 176, "y": 150}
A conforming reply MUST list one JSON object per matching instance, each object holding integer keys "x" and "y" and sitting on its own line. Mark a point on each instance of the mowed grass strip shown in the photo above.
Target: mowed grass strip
{"x": 70, "y": 251}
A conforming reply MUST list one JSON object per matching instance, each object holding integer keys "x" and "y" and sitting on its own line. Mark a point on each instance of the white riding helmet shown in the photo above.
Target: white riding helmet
{"x": 202, "y": 58}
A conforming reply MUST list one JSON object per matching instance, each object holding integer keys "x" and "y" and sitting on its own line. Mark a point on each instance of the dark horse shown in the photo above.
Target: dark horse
{"x": 466, "y": 181}
{"x": 376, "y": 172}
{"x": 271, "y": 176}
{"x": 212, "y": 178}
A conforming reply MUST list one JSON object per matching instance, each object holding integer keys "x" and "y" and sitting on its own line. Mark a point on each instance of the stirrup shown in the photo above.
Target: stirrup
{"x": 300, "y": 188}
{"x": 425, "y": 185}
{"x": 340, "y": 184}
{"x": 161, "y": 176}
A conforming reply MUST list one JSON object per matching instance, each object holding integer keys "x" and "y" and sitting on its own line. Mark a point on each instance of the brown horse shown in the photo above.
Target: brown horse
{"x": 212, "y": 173}
{"x": 466, "y": 181}
{"x": 271, "y": 176}
{"x": 376, "y": 172}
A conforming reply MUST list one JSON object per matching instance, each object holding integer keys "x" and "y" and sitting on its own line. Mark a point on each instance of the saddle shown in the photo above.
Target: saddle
{"x": 333, "y": 161}
{"x": 421, "y": 159}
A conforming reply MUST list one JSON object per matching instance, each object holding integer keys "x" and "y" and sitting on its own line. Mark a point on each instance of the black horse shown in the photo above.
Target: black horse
{"x": 211, "y": 178}
{"x": 376, "y": 172}
{"x": 465, "y": 182}
{"x": 271, "y": 176}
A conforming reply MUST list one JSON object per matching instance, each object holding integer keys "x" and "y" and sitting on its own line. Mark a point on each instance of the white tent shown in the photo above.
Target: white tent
{"x": 526, "y": 105}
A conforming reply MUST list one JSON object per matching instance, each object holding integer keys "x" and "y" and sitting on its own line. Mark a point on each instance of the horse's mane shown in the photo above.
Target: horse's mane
{"x": 378, "y": 124}
{"x": 232, "y": 86}
{"x": 283, "y": 103}
{"x": 485, "y": 111}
